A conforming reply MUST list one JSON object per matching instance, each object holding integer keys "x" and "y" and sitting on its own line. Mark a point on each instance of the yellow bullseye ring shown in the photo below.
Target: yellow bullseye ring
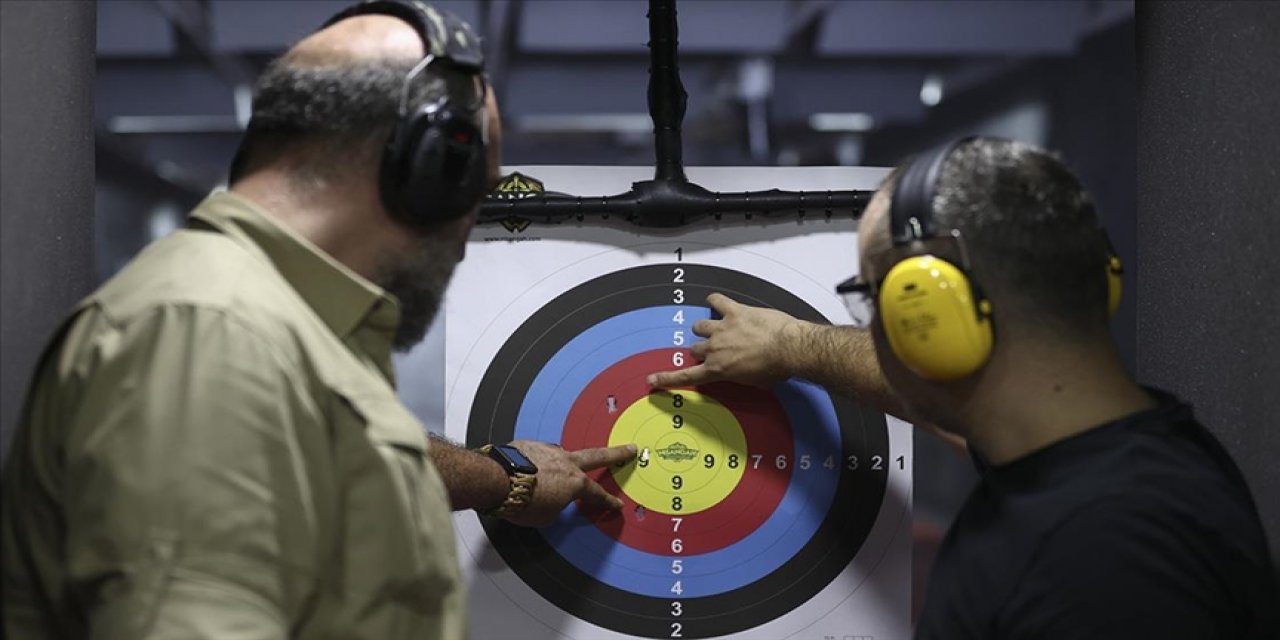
{"x": 685, "y": 469}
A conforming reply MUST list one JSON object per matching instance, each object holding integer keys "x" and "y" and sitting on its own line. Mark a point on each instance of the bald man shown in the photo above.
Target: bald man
{"x": 213, "y": 446}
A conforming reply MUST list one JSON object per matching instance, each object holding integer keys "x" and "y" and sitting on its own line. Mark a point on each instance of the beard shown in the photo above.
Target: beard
{"x": 418, "y": 282}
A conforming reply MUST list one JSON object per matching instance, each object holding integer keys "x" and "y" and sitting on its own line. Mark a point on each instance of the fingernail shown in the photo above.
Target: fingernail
{"x": 631, "y": 449}
{"x": 652, "y": 380}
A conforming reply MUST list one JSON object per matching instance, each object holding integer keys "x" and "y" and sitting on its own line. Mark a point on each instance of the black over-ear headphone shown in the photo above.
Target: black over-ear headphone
{"x": 434, "y": 167}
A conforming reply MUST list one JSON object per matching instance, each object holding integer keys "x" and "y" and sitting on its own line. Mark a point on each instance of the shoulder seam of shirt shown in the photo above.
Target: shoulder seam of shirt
{"x": 250, "y": 327}
{"x": 252, "y": 265}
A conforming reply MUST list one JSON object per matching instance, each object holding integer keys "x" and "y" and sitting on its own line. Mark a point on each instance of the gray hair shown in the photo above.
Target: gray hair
{"x": 1032, "y": 234}
{"x": 343, "y": 108}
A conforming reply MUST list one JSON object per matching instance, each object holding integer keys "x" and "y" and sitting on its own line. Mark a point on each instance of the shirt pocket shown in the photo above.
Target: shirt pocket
{"x": 398, "y": 533}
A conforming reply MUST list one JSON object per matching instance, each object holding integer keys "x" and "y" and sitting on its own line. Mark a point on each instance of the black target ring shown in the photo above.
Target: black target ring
{"x": 832, "y": 547}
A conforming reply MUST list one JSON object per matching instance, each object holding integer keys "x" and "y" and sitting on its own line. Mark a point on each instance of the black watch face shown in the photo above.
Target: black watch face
{"x": 519, "y": 463}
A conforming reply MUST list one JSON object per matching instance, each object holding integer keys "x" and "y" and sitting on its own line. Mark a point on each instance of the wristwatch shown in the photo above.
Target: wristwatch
{"x": 520, "y": 471}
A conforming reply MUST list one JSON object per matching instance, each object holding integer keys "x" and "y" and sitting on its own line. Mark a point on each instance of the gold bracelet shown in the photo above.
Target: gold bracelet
{"x": 519, "y": 496}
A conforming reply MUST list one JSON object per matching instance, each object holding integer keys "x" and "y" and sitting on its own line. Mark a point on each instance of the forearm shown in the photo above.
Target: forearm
{"x": 842, "y": 359}
{"x": 473, "y": 480}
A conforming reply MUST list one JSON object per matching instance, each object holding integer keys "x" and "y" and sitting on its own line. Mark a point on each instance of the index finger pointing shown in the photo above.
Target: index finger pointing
{"x": 697, "y": 374}
{"x": 588, "y": 459}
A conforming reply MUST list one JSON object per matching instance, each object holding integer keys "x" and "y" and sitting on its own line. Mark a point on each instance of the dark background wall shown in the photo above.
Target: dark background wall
{"x": 1098, "y": 138}
{"x": 46, "y": 180}
{"x": 761, "y": 75}
{"x": 1195, "y": 320}
{"x": 1208, "y": 221}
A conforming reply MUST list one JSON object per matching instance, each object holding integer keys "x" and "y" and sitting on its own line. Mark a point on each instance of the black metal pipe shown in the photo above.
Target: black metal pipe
{"x": 667, "y": 97}
{"x": 670, "y": 200}
{"x": 658, "y": 203}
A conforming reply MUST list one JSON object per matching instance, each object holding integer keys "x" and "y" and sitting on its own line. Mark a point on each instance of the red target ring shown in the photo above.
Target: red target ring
{"x": 763, "y": 421}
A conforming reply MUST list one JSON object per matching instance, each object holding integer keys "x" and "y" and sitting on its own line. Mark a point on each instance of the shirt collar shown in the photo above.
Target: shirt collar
{"x": 341, "y": 297}
{"x": 1106, "y": 437}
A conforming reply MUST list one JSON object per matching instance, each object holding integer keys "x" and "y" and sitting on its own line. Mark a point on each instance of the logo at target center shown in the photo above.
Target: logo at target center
{"x": 677, "y": 452}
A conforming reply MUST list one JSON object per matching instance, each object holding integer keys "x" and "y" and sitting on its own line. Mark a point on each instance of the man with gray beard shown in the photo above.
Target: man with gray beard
{"x": 213, "y": 446}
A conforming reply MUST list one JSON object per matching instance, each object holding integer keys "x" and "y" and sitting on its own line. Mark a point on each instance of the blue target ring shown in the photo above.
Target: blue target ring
{"x": 801, "y": 511}
{"x": 814, "y": 532}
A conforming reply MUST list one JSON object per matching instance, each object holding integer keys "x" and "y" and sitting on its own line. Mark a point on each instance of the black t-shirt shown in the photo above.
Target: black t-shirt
{"x": 1140, "y": 528}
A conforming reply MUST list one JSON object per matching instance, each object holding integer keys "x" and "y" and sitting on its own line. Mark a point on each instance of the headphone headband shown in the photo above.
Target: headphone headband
{"x": 433, "y": 166}
{"x": 444, "y": 35}
{"x": 911, "y": 208}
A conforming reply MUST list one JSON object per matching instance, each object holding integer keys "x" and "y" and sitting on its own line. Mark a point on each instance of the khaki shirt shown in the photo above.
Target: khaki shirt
{"x": 213, "y": 448}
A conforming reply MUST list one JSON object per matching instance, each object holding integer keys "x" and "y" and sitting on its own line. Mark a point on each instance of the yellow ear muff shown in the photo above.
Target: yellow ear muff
{"x": 1115, "y": 283}
{"x": 933, "y": 323}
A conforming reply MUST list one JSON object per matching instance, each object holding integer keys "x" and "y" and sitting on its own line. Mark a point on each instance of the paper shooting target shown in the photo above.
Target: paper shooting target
{"x": 743, "y": 503}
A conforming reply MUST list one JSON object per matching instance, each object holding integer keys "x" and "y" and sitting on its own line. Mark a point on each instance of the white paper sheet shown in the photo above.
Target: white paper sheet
{"x": 520, "y": 356}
